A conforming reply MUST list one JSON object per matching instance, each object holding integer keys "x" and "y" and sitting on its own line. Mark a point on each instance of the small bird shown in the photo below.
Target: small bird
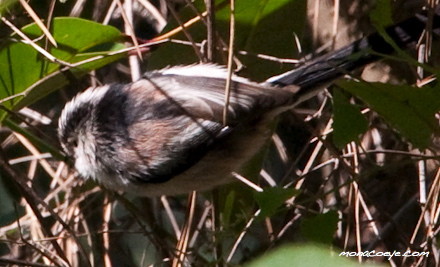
{"x": 165, "y": 134}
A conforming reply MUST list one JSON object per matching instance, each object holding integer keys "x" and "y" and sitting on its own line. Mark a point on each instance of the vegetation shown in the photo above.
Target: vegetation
{"x": 352, "y": 170}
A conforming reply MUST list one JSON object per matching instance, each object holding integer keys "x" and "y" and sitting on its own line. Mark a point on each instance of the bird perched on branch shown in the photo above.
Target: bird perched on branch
{"x": 165, "y": 134}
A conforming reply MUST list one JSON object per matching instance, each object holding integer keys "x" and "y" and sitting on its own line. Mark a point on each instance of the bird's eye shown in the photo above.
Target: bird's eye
{"x": 72, "y": 142}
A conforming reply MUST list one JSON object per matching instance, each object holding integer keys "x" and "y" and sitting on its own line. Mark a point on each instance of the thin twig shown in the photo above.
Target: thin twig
{"x": 242, "y": 234}
{"x": 247, "y": 182}
{"x": 38, "y": 21}
{"x": 230, "y": 62}
{"x": 34, "y": 45}
{"x": 161, "y": 21}
{"x": 210, "y": 26}
{"x": 33, "y": 200}
{"x": 171, "y": 217}
{"x": 127, "y": 16}
{"x": 184, "y": 30}
{"x": 107, "y": 211}
{"x": 182, "y": 245}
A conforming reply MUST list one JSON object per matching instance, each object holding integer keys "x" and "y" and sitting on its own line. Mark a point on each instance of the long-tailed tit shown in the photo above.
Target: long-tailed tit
{"x": 164, "y": 134}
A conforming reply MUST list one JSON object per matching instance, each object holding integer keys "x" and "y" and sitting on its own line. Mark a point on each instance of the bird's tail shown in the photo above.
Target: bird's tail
{"x": 319, "y": 72}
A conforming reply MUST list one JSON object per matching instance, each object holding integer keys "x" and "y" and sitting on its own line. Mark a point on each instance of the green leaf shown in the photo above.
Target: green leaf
{"x": 228, "y": 207}
{"x": 5, "y": 5}
{"x": 304, "y": 256}
{"x": 272, "y": 198}
{"x": 8, "y": 200}
{"x": 262, "y": 27}
{"x": 25, "y": 71}
{"x": 320, "y": 228}
{"x": 348, "y": 123}
{"x": 408, "y": 109}
{"x": 381, "y": 15}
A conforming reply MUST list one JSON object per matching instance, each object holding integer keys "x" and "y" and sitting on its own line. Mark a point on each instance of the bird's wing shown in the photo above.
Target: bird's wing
{"x": 200, "y": 90}
{"x": 180, "y": 118}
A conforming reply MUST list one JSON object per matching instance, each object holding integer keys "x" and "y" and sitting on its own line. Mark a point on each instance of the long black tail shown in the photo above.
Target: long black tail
{"x": 324, "y": 69}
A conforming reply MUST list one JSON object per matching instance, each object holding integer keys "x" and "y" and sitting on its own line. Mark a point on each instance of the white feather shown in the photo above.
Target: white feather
{"x": 91, "y": 96}
{"x": 202, "y": 70}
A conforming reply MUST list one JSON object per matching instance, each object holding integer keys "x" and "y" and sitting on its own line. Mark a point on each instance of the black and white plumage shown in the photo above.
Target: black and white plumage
{"x": 164, "y": 134}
